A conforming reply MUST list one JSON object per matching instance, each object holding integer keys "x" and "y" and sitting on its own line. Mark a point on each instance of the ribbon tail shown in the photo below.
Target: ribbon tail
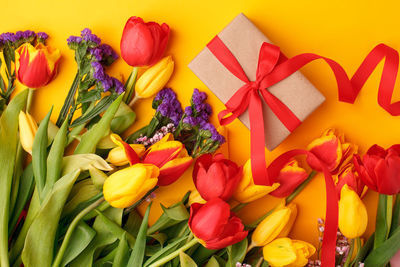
{"x": 258, "y": 163}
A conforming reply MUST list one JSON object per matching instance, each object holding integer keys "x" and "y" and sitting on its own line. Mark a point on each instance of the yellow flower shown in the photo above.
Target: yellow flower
{"x": 284, "y": 252}
{"x": 125, "y": 187}
{"x": 117, "y": 155}
{"x": 277, "y": 224}
{"x": 353, "y": 217}
{"x": 247, "y": 191}
{"x": 27, "y": 130}
{"x": 154, "y": 78}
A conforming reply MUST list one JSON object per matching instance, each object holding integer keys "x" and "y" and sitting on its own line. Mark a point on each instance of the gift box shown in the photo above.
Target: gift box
{"x": 244, "y": 41}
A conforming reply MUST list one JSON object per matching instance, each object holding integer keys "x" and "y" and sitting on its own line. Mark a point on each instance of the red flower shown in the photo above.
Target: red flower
{"x": 215, "y": 225}
{"x": 216, "y": 177}
{"x": 352, "y": 179}
{"x": 380, "y": 169}
{"x": 143, "y": 43}
{"x": 36, "y": 66}
{"x": 290, "y": 177}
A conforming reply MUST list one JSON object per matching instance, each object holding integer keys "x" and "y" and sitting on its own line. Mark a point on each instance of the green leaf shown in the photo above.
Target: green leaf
{"x": 8, "y": 143}
{"x": 160, "y": 237}
{"x": 212, "y": 262}
{"x": 202, "y": 254}
{"x": 381, "y": 255}
{"x": 131, "y": 138}
{"x": 99, "y": 108}
{"x": 89, "y": 96}
{"x": 165, "y": 251}
{"x": 186, "y": 261}
{"x": 123, "y": 119}
{"x": 137, "y": 255}
{"x": 103, "y": 237}
{"x": 55, "y": 158}
{"x": 130, "y": 85}
{"x": 381, "y": 229}
{"x": 25, "y": 191}
{"x": 39, "y": 154}
{"x": 176, "y": 212}
{"x": 80, "y": 239}
{"x": 122, "y": 254}
{"x": 40, "y": 240}
{"x": 396, "y": 215}
{"x": 237, "y": 253}
{"x": 68, "y": 101}
{"x": 84, "y": 162}
{"x": 93, "y": 136}
{"x": 364, "y": 251}
{"x": 132, "y": 225}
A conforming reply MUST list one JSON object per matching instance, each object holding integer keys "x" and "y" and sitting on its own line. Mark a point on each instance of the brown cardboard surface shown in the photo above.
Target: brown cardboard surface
{"x": 244, "y": 40}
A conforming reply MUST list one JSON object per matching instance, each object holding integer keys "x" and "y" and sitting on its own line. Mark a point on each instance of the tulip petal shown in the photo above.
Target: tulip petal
{"x": 280, "y": 252}
{"x": 353, "y": 217}
{"x": 160, "y": 36}
{"x": 388, "y": 175}
{"x": 363, "y": 173}
{"x": 160, "y": 153}
{"x": 327, "y": 149}
{"x": 204, "y": 161}
{"x": 173, "y": 169}
{"x": 232, "y": 234}
{"x": 117, "y": 155}
{"x": 288, "y": 227}
{"x": 378, "y": 151}
{"x": 254, "y": 192}
{"x": 207, "y": 221}
{"x": 131, "y": 155}
{"x": 290, "y": 177}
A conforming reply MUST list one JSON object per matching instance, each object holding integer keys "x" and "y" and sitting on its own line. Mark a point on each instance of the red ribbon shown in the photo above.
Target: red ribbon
{"x": 274, "y": 67}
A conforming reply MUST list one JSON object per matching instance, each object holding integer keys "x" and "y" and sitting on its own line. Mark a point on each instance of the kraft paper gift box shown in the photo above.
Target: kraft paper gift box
{"x": 244, "y": 40}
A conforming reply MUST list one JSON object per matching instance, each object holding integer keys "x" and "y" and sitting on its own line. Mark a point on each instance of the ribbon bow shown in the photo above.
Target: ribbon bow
{"x": 248, "y": 97}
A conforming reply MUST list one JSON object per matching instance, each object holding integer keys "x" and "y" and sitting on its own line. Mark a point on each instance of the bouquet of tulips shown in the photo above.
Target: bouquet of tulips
{"x": 79, "y": 208}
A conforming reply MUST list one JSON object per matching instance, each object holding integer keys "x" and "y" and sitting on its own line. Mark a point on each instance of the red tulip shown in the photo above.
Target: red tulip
{"x": 143, "y": 44}
{"x": 216, "y": 177}
{"x": 215, "y": 225}
{"x": 36, "y": 66}
{"x": 351, "y": 178}
{"x": 290, "y": 177}
{"x": 380, "y": 169}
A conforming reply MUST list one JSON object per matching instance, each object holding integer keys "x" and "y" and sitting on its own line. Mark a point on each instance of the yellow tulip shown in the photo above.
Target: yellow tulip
{"x": 117, "y": 155}
{"x": 195, "y": 197}
{"x": 285, "y": 252}
{"x": 353, "y": 217}
{"x": 247, "y": 191}
{"x": 125, "y": 187}
{"x": 154, "y": 78}
{"x": 27, "y": 130}
{"x": 279, "y": 221}
{"x": 293, "y": 214}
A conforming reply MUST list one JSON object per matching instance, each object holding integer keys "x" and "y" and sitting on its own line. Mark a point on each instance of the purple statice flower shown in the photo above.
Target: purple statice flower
{"x": 191, "y": 120}
{"x": 97, "y": 53}
{"x": 42, "y": 36}
{"x": 214, "y": 133}
{"x": 198, "y": 97}
{"x": 19, "y": 35}
{"x": 118, "y": 86}
{"x": 88, "y": 36}
{"x": 107, "y": 51}
{"x": 166, "y": 93}
{"x": 98, "y": 71}
{"x": 168, "y": 105}
{"x": 8, "y": 37}
{"x": 107, "y": 83}
{"x": 72, "y": 40}
{"x": 28, "y": 34}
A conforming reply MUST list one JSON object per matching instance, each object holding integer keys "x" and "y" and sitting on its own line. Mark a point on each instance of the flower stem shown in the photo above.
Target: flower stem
{"x": 29, "y": 100}
{"x": 300, "y": 187}
{"x": 348, "y": 258}
{"x": 174, "y": 254}
{"x": 140, "y": 201}
{"x": 239, "y": 207}
{"x": 68, "y": 100}
{"x": 130, "y": 84}
{"x": 71, "y": 229}
{"x": 133, "y": 101}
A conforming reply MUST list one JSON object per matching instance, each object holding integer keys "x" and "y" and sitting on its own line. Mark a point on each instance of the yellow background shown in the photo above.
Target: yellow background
{"x": 343, "y": 30}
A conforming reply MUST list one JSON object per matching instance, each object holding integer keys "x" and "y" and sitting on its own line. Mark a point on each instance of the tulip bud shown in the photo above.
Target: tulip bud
{"x": 271, "y": 227}
{"x": 154, "y": 78}
{"x": 125, "y": 187}
{"x": 247, "y": 191}
{"x": 353, "y": 217}
{"x": 143, "y": 43}
{"x": 36, "y": 66}
{"x": 117, "y": 155}
{"x": 27, "y": 130}
{"x": 284, "y": 252}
